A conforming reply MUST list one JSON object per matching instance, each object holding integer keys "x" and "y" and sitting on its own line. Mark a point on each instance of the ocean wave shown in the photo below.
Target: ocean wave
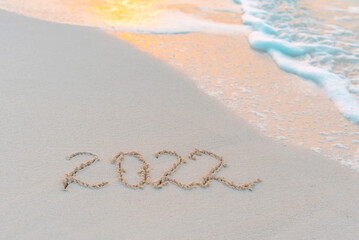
{"x": 138, "y": 16}
{"x": 324, "y": 53}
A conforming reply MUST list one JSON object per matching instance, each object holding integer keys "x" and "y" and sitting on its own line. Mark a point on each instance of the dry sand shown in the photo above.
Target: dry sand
{"x": 66, "y": 89}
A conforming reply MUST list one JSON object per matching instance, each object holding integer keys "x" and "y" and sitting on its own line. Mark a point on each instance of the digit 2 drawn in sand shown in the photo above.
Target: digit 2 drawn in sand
{"x": 70, "y": 178}
{"x": 165, "y": 178}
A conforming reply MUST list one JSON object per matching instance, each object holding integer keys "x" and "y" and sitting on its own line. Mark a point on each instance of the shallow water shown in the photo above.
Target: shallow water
{"x": 312, "y": 39}
{"x": 305, "y": 41}
{"x": 315, "y": 40}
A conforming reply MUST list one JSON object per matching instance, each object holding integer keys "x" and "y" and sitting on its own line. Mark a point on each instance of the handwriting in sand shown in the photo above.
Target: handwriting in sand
{"x": 166, "y": 177}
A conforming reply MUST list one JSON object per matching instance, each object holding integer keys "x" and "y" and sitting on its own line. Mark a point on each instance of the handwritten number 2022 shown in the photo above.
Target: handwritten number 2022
{"x": 164, "y": 180}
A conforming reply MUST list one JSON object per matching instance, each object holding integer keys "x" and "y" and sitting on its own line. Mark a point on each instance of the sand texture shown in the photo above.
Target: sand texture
{"x": 68, "y": 89}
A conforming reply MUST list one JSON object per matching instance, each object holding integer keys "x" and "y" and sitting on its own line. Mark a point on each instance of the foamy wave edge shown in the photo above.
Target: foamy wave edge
{"x": 263, "y": 38}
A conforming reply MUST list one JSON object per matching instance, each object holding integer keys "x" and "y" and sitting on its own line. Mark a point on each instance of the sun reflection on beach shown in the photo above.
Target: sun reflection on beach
{"x": 125, "y": 11}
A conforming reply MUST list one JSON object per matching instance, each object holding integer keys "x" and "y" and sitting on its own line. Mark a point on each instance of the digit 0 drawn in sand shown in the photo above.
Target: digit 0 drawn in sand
{"x": 118, "y": 159}
{"x": 165, "y": 178}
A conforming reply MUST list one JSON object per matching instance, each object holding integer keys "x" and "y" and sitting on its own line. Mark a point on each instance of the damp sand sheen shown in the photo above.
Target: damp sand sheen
{"x": 67, "y": 88}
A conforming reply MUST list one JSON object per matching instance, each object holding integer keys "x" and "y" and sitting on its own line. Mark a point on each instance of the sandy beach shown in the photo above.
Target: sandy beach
{"x": 67, "y": 89}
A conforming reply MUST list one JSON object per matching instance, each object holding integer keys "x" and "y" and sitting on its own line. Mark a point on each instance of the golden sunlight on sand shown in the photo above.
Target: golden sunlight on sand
{"x": 127, "y": 11}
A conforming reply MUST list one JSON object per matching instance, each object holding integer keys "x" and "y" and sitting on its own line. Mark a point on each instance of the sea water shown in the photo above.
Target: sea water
{"x": 314, "y": 39}
{"x": 317, "y": 40}
{"x": 306, "y": 42}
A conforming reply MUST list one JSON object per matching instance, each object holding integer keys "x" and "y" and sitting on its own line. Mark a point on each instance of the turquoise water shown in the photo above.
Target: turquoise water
{"x": 319, "y": 45}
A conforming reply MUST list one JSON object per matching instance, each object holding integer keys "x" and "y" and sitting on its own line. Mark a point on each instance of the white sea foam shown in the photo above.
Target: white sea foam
{"x": 175, "y": 22}
{"x": 317, "y": 150}
{"x": 340, "y": 145}
{"x": 159, "y": 17}
{"x": 348, "y": 10}
{"x": 307, "y": 48}
{"x": 354, "y": 164}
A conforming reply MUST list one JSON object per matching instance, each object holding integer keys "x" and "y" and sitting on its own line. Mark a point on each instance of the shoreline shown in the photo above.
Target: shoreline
{"x": 283, "y": 106}
{"x": 280, "y": 105}
{"x": 70, "y": 88}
